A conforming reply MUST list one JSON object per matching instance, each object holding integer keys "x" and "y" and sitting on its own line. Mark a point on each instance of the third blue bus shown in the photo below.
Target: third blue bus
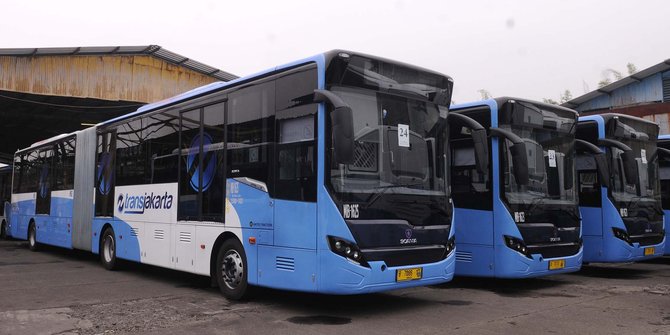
{"x": 621, "y": 212}
{"x": 520, "y": 218}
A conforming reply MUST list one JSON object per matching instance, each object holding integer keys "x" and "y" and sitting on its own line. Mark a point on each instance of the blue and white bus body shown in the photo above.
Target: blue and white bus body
{"x": 599, "y": 222}
{"x": 5, "y": 200}
{"x": 278, "y": 255}
{"x": 664, "y": 174}
{"x": 481, "y": 249}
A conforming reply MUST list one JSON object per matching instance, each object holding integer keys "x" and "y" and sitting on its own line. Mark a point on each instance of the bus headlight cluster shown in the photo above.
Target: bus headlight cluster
{"x": 346, "y": 249}
{"x": 451, "y": 245}
{"x": 517, "y": 245}
{"x": 622, "y": 235}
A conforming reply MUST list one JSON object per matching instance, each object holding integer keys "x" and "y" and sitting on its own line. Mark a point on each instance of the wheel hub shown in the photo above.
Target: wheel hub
{"x": 232, "y": 269}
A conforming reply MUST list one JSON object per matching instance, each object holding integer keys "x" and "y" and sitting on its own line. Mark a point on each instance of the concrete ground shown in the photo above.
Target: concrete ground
{"x": 57, "y": 291}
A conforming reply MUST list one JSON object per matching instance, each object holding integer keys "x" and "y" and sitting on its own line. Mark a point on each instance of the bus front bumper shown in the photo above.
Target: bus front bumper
{"x": 511, "y": 264}
{"x": 340, "y": 276}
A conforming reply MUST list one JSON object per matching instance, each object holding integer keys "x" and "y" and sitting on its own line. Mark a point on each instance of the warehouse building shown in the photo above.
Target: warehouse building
{"x": 644, "y": 94}
{"x": 45, "y": 92}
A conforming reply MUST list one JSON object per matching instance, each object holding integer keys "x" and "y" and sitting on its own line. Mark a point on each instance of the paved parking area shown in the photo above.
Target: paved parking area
{"x": 57, "y": 291}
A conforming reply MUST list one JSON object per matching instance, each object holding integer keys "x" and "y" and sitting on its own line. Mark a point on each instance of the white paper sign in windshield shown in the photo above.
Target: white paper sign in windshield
{"x": 403, "y": 135}
{"x": 643, "y": 155}
{"x": 552, "y": 158}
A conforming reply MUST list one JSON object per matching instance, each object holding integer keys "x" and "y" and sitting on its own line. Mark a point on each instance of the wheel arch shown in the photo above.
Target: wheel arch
{"x": 215, "y": 252}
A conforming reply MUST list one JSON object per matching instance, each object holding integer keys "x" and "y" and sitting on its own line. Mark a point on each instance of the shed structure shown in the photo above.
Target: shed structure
{"x": 49, "y": 91}
{"x": 644, "y": 94}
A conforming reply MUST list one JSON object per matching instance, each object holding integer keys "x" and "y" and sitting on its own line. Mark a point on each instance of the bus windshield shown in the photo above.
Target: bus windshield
{"x": 397, "y": 141}
{"x": 549, "y": 139}
{"x": 646, "y": 187}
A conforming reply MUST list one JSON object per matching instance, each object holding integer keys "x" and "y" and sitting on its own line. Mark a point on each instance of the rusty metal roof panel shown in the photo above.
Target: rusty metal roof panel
{"x": 153, "y": 50}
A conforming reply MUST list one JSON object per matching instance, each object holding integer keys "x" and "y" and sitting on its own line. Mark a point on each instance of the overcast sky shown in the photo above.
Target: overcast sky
{"x": 531, "y": 49}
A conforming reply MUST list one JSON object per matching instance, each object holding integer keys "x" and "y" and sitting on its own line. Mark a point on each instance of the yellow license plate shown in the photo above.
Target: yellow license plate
{"x": 649, "y": 251}
{"x": 408, "y": 274}
{"x": 556, "y": 264}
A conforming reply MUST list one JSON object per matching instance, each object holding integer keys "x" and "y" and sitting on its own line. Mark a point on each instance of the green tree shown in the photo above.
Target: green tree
{"x": 550, "y": 101}
{"x": 566, "y": 96}
{"x": 485, "y": 94}
{"x": 631, "y": 69}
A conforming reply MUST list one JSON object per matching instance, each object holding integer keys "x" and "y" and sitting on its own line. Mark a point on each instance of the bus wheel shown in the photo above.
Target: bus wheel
{"x": 108, "y": 250}
{"x": 3, "y": 230}
{"x": 32, "y": 237}
{"x": 231, "y": 270}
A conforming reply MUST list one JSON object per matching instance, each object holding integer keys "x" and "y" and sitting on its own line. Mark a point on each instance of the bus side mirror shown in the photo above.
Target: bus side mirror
{"x": 519, "y": 155}
{"x": 480, "y": 140}
{"x": 603, "y": 171}
{"x": 343, "y": 134}
{"x": 629, "y": 166}
{"x": 568, "y": 172}
{"x": 342, "y": 119}
{"x": 520, "y": 163}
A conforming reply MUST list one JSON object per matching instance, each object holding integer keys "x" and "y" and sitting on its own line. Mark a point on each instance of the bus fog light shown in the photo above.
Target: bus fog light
{"x": 348, "y": 250}
{"x": 517, "y": 245}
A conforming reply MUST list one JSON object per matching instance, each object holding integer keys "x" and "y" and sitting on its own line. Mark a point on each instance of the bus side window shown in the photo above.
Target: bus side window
{"x": 161, "y": 139}
{"x": 588, "y": 184}
{"x": 296, "y": 171}
{"x": 250, "y": 136}
{"x": 664, "y": 176}
{"x": 470, "y": 189}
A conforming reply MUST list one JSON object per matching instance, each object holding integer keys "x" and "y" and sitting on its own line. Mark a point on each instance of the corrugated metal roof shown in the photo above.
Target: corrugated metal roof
{"x": 153, "y": 50}
{"x": 636, "y": 77}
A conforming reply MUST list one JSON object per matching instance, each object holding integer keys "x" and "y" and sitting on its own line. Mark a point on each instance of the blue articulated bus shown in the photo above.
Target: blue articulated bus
{"x": 329, "y": 174}
{"x": 520, "y": 218}
{"x": 664, "y": 176}
{"x": 5, "y": 198}
{"x": 621, "y": 209}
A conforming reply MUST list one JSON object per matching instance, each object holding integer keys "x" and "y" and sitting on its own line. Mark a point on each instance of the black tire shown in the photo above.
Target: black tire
{"x": 232, "y": 270}
{"x": 32, "y": 237}
{"x": 3, "y": 230}
{"x": 108, "y": 250}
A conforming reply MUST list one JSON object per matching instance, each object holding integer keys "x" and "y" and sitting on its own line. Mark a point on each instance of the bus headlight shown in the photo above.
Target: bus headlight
{"x": 517, "y": 245}
{"x": 346, "y": 249}
{"x": 451, "y": 245}
{"x": 622, "y": 235}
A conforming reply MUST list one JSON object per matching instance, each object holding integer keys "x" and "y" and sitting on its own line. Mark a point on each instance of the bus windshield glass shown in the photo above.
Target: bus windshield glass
{"x": 400, "y": 136}
{"x": 549, "y": 139}
{"x": 640, "y": 138}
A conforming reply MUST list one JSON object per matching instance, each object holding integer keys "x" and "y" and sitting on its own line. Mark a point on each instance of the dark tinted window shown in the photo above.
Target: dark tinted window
{"x": 296, "y": 136}
{"x": 130, "y": 154}
{"x": 587, "y": 174}
{"x": 251, "y": 122}
{"x": 44, "y": 180}
{"x": 470, "y": 189}
{"x": 104, "y": 173}
{"x": 190, "y": 161}
{"x": 213, "y": 177}
{"x": 664, "y": 174}
{"x": 64, "y": 164}
{"x": 161, "y": 142}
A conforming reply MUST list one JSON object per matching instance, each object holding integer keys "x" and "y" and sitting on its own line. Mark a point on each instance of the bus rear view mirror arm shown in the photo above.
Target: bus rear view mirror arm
{"x": 600, "y": 158}
{"x": 479, "y": 138}
{"x": 519, "y": 154}
{"x": 627, "y": 157}
{"x": 343, "y": 126}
